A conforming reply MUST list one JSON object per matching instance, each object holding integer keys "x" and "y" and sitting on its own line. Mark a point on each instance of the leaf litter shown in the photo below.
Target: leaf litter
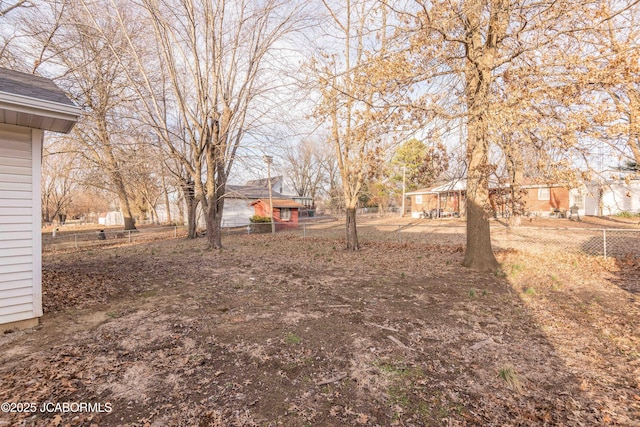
{"x": 289, "y": 331}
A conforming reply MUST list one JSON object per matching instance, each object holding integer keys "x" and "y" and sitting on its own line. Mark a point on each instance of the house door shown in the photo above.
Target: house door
{"x": 578, "y": 200}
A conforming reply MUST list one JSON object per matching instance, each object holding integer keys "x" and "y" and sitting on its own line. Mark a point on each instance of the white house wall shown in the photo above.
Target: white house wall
{"x": 591, "y": 200}
{"x": 114, "y": 218}
{"x": 617, "y": 197}
{"x": 20, "y": 224}
{"x": 621, "y": 198}
{"x": 236, "y": 213}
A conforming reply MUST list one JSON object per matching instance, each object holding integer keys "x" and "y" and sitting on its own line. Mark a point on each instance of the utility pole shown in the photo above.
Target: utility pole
{"x": 404, "y": 184}
{"x": 268, "y": 160}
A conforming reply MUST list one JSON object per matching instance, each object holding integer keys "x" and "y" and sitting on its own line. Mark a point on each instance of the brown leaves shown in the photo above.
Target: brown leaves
{"x": 96, "y": 279}
{"x": 174, "y": 354}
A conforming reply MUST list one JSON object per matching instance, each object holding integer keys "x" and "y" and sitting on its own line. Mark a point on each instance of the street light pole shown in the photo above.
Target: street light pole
{"x": 268, "y": 160}
{"x": 404, "y": 184}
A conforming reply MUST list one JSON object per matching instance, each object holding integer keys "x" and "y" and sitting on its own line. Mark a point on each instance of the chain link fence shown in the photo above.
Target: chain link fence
{"x": 69, "y": 240}
{"x": 597, "y": 242}
{"x": 590, "y": 241}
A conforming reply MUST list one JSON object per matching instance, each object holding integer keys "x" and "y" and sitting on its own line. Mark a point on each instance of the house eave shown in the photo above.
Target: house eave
{"x": 37, "y": 113}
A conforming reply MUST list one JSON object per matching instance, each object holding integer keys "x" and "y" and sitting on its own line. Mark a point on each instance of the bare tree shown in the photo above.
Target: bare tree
{"x": 9, "y": 47}
{"x": 350, "y": 98}
{"x": 202, "y": 95}
{"x": 58, "y": 180}
{"x": 306, "y": 168}
{"x": 95, "y": 80}
{"x": 9, "y": 6}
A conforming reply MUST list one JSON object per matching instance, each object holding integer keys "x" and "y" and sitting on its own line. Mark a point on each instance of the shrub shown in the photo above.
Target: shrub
{"x": 625, "y": 214}
{"x": 259, "y": 219}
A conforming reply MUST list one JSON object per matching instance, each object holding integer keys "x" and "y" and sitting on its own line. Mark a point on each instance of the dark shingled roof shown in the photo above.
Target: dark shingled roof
{"x": 249, "y": 192}
{"x": 264, "y": 182}
{"x": 280, "y": 203}
{"x": 31, "y": 86}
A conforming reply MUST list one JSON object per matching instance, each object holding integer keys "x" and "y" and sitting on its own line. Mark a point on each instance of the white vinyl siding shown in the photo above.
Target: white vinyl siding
{"x": 20, "y": 289}
{"x": 236, "y": 212}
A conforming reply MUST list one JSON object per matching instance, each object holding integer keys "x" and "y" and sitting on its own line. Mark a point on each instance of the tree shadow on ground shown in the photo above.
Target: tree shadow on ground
{"x": 587, "y": 308}
{"x": 622, "y": 250}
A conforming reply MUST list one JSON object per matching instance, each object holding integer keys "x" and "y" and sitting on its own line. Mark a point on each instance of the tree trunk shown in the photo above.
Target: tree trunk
{"x": 192, "y": 221}
{"x": 46, "y": 213}
{"x": 351, "y": 231}
{"x": 634, "y": 124}
{"x": 213, "y": 213}
{"x": 125, "y": 209}
{"x": 166, "y": 192}
{"x": 117, "y": 181}
{"x": 515, "y": 169}
{"x": 479, "y": 253}
{"x": 188, "y": 191}
{"x": 478, "y": 77}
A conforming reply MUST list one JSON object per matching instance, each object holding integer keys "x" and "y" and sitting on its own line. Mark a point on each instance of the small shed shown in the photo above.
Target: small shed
{"x": 29, "y": 105}
{"x": 285, "y": 211}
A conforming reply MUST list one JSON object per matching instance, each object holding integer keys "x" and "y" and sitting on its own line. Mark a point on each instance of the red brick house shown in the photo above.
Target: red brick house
{"x": 449, "y": 199}
{"x": 544, "y": 199}
{"x": 285, "y": 211}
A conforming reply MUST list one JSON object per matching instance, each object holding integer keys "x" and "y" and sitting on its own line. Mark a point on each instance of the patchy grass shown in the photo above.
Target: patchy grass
{"x": 510, "y": 377}
{"x": 293, "y": 339}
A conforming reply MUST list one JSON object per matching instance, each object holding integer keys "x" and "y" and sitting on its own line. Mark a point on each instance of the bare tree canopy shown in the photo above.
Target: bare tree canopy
{"x": 202, "y": 95}
{"x": 531, "y": 90}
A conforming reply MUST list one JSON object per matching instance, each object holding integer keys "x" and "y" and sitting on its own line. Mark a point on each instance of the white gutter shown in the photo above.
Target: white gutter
{"x": 29, "y": 105}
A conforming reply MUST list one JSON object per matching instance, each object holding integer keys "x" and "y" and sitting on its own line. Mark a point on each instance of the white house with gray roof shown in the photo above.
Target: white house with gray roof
{"x": 29, "y": 105}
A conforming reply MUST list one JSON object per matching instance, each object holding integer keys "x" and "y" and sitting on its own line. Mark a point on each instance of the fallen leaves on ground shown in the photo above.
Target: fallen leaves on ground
{"x": 291, "y": 331}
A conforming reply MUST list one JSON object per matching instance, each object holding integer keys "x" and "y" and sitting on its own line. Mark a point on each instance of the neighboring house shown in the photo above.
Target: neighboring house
{"x": 238, "y": 200}
{"x": 612, "y": 197}
{"x": 446, "y": 198}
{"x": 29, "y": 105}
{"x": 547, "y": 199}
{"x": 237, "y": 209}
{"x": 450, "y": 198}
{"x": 279, "y": 185}
{"x": 111, "y": 218}
{"x": 285, "y": 211}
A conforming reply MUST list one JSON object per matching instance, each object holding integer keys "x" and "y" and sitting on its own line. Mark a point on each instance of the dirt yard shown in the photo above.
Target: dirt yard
{"x": 298, "y": 332}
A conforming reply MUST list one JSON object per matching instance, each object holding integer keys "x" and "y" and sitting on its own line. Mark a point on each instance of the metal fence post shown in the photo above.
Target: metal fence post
{"x": 75, "y": 239}
{"x": 129, "y": 236}
{"x": 604, "y": 242}
{"x": 175, "y": 232}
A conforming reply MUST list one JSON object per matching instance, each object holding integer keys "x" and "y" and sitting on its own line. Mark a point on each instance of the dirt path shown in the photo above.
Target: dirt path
{"x": 285, "y": 331}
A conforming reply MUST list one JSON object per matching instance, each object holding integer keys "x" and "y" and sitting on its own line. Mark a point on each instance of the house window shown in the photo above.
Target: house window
{"x": 285, "y": 214}
{"x": 544, "y": 193}
{"x": 419, "y": 200}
